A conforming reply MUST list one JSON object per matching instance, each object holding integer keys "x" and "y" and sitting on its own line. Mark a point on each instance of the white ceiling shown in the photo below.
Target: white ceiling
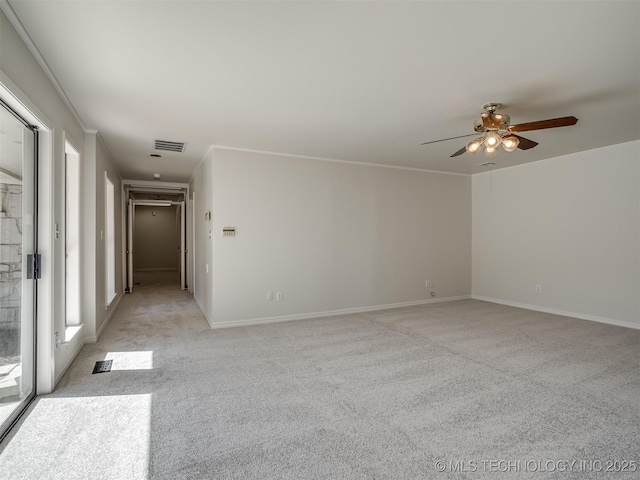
{"x": 359, "y": 81}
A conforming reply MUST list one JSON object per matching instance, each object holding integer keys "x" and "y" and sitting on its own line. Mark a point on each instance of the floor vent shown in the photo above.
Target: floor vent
{"x": 102, "y": 366}
{"x": 170, "y": 146}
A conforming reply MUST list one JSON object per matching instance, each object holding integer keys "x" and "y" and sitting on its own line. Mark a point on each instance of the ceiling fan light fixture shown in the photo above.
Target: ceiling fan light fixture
{"x": 492, "y": 140}
{"x": 510, "y": 143}
{"x": 490, "y": 151}
{"x": 493, "y": 129}
{"x": 474, "y": 146}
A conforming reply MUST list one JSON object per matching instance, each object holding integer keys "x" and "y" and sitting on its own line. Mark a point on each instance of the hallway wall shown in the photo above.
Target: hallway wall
{"x": 155, "y": 238}
{"x": 103, "y": 163}
{"x": 27, "y": 76}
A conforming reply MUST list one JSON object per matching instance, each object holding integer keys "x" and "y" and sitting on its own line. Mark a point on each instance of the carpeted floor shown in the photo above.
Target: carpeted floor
{"x": 463, "y": 390}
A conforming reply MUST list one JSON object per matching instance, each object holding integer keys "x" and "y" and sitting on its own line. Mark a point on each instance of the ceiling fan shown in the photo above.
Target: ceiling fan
{"x": 493, "y": 129}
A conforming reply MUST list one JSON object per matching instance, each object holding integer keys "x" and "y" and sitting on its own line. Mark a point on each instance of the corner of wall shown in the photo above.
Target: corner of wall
{"x": 562, "y": 235}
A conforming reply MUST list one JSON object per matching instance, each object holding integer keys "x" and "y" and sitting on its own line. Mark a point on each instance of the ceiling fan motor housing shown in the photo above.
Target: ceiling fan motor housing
{"x": 491, "y": 121}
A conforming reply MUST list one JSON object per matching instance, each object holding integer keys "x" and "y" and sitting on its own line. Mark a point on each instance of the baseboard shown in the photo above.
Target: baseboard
{"x": 206, "y": 316}
{"x": 112, "y": 310}
{"x": 69, "y": 361}
{"x": 328, "y": 313}
{"x": 564, "y": 313}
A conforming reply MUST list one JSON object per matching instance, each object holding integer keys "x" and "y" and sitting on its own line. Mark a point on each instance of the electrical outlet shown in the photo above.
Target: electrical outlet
{"x": 269, "y": 295}
{"x": 279, "y": 296}
{"x": 538, "y": 288}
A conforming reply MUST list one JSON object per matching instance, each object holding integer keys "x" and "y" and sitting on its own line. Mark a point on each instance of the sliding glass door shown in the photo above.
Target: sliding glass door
{"x": 17, "y": 245}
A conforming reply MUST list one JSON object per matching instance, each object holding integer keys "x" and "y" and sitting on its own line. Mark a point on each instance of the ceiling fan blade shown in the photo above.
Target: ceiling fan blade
{"x": 459, "y": 152}
{"x": 525, "y": 143}
{"x": 542, "y": 124}
{"x": 452, "y": 138}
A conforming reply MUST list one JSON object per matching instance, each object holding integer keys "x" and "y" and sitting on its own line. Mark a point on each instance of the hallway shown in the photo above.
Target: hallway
{"x": 99, "y": 426}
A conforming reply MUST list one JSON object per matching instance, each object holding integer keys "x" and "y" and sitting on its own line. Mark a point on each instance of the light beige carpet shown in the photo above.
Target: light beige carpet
{"x": 380, "y": 395}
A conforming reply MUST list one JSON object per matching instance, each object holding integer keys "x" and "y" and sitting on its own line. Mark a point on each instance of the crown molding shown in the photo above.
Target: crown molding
{"x": 28, "y": 41}
{"x": 334, "y": 160}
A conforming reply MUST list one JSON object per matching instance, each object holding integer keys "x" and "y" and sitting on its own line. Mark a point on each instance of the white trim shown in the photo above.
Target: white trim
{"x": 22, "y": 32}
{"x": 21, "y": 104}
{"x": 45, "y": 343}
{"x": 112, "y": 310}
{"x": 206, "y": 154}
{"x": 334, "y": 160}
{"x": 111, "y": 162}
{"x": 564, "y": 313}
{"x": 204, "y": 313}
{"x": 328, "y": 313}
{"x": 72, "y": 143}
{"x": 69, "y": 143}
{"x": 45, "y": 339}
{"x": 68, "y": 363}
{"x": 128, "y": 184}
{"x": 192, "y": 243}
{"x": 71, "y": 331}
{"x": 106, "y": 232}
{"x": 124, "y": 205}
{"x": 155, "y": 203}
{"x": 204, "y": 157}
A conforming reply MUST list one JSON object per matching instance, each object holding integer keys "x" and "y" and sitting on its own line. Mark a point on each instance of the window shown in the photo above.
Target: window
{"x": 110, "y": 239}
{"x": 72, "y": 236}
{"x": 18, "y": 158}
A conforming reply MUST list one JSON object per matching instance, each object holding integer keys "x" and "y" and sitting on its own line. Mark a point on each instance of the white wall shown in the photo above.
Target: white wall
{"x": 21, "y": 68}
{"x": 155, "y": 238}
{"x": 201, "y": 187}
{"x": 103, "y": 312}
{"x": 331, "y": 236}
{"x": 569, "y": 224}
{"x": 23, "y": 71}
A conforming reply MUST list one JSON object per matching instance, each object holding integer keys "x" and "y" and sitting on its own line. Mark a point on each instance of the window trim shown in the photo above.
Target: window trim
{"x": 72, "y": 151}
{"x": 109, "y": 236}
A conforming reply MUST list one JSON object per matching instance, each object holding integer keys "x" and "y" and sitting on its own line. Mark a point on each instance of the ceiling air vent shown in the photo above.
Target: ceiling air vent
{"x": 170, "y": 146}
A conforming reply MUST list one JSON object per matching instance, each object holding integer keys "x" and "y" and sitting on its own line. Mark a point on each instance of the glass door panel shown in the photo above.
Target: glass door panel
{"x": 17, "y": 243}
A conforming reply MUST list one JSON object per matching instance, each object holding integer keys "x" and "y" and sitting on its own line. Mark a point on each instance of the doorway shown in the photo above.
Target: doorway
{"x": 155, "y": 235}
{"x": 18, "y": 160}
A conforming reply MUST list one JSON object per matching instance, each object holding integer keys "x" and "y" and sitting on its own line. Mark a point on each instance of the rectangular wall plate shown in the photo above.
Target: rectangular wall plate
{"x": 228, "y": 231}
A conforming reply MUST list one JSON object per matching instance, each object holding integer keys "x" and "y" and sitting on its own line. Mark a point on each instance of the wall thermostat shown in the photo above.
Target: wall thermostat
{"x": 229, "y": 231}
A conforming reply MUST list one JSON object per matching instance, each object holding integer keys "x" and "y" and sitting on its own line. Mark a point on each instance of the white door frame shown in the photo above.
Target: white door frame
{"x": 45, "y": 338}
{"x": 157, "y": 187}
{"x": 192, "y": 249}
{"x": 131, "y": 211}
{"x": 183, "y": 244}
